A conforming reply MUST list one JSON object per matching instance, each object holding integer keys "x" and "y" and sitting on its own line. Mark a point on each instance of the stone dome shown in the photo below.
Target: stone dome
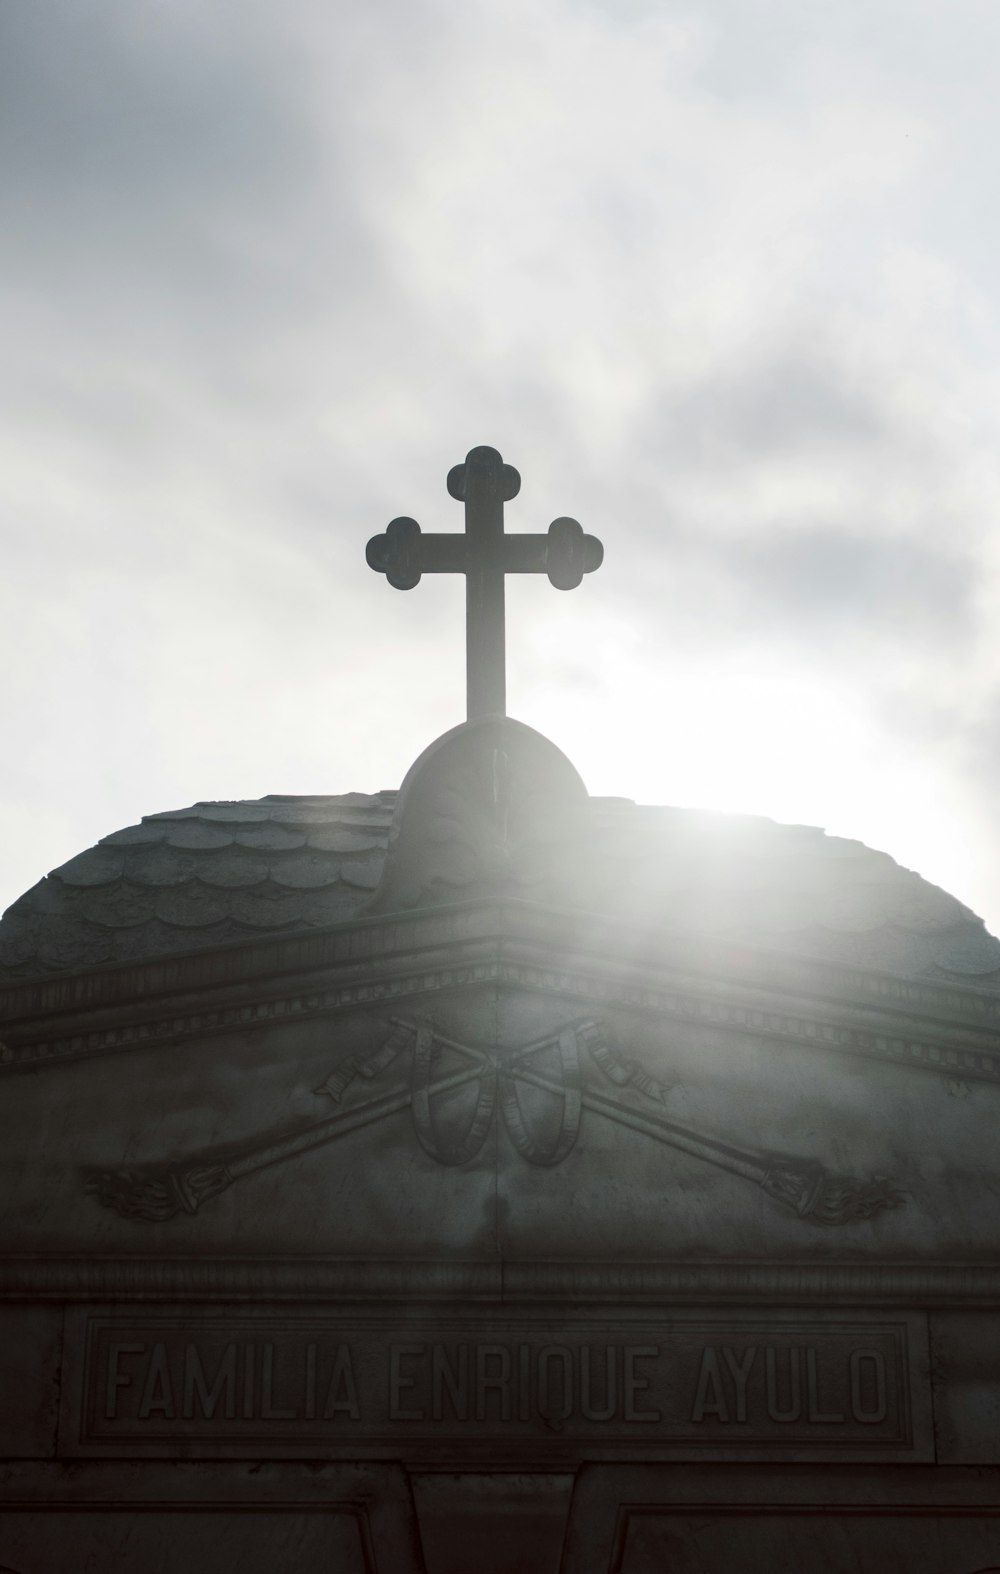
{"x": 194, "y": 879}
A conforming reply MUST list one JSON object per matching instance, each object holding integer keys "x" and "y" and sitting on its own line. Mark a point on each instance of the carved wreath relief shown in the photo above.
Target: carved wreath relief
{"x": 577, "y": 1064}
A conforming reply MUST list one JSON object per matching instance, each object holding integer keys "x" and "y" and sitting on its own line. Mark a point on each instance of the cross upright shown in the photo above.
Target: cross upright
{"x": 485, "y": 555}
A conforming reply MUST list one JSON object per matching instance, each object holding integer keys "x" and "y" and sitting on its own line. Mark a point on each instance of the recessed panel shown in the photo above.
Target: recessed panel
{"x": 792, "y": 1542}
{"x": 686, "y": 1384}
{"x": 182, "y": 1541}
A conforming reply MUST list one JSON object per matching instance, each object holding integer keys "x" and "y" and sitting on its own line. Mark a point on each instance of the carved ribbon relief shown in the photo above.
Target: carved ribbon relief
{"x": 578, "y": 1065}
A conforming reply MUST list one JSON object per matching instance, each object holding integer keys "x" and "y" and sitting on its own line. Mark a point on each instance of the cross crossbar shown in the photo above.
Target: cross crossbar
{"x": 485, "y": 555}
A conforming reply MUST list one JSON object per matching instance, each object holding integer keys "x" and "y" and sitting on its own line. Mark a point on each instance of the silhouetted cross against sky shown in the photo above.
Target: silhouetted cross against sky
{"x": 485, "y": 555}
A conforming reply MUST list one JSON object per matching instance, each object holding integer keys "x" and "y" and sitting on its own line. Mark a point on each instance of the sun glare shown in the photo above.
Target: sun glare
{"x": 764, "y": 740}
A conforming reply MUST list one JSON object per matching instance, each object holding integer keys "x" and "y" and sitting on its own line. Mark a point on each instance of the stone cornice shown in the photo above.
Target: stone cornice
{"x": 494, "y": 1283}
{"x": 938, "y": 1027}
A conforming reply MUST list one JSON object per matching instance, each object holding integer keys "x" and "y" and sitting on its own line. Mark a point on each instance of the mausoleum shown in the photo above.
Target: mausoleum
{"x": 491, "y": 1177}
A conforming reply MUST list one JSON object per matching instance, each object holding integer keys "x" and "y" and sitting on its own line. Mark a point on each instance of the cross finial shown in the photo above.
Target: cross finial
{"x": 485, "y": 555}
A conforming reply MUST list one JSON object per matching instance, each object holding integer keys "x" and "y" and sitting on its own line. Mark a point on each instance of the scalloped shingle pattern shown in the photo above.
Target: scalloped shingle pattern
{"x": 191, "y": 879}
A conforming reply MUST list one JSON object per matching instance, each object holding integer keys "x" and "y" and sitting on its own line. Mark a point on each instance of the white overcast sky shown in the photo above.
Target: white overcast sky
{"x": 720, "y": 279}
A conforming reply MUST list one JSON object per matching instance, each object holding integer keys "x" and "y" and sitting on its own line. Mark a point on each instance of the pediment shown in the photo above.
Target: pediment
{"x": 495, "y": 1083}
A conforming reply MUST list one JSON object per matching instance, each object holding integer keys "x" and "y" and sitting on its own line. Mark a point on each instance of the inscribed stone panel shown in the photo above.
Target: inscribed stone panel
{"x": 723, "y": 1384}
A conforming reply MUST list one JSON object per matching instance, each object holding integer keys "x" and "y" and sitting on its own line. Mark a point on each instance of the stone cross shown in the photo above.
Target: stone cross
{"x": 484, "y": 554}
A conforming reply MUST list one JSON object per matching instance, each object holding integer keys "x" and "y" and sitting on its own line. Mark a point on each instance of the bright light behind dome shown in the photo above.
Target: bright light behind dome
{"x": 761, "y": 739}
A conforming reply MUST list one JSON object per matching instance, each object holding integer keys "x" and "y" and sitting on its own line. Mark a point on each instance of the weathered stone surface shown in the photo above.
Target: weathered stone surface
{"x": 362, "y": 870}
{"x": 636, "y": 1520}
{"x": 198, "y": 834}
{"x": 663, "y": 1123}
{"x": 965, "y": 1351}
{"x": 99, "y": 866}
{"x": 618, "y": 1186}
{"x": 270, "y": 838}
{"x": 573, "y": 1139}
{"x": 491, "y": 808}
{"x": 202, "y": 876}
{"x": 179, "y": 1539}
{"x": 193, "y": 906}
{"x": 233, "y": 867}
{"x": 339, "y": 838}
{"x": 122, "y": 905}
{"x": 30, "y": 1366}
{"x": 160, "y": 866}
{"x": 723, "y": 879}
{"x": 230, "y": 1519}
{"x": 305, "y": 871}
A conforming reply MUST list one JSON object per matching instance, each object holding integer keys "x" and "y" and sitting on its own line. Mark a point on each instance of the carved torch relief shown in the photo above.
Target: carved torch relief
{"x": 578, "y": 1066}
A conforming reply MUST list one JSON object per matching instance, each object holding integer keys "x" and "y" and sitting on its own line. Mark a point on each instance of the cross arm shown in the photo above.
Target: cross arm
{"x": 404, "y": 552}
{"x": 564, "y": 553}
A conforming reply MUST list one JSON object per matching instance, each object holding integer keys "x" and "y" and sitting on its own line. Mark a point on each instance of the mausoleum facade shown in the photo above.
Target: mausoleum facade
{"x": 490, "y": 1176}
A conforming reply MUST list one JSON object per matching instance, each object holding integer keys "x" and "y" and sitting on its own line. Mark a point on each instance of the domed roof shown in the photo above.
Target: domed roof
{"x": 190, "y": 879}
{"x": 193, "y": 879}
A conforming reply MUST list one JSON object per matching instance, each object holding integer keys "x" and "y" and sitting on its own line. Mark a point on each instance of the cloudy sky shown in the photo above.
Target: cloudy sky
{"x": 720, "y": 279}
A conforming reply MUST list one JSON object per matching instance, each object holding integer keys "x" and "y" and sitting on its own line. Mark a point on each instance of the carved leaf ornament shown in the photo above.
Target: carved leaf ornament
{"x": 623, "y": 1092}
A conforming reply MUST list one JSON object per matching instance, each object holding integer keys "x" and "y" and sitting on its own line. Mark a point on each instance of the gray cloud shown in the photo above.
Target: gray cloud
{"x": 142, "y": 106}
{"x": 874, "y": 589}
{"x": 269, "y": 272}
